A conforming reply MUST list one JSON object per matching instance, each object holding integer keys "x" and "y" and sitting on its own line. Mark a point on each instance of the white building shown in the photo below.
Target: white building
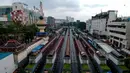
{"x": 119, "y": 33}
{"x": 7, "y": 64}
{"x": 88, "y": 25}
{"x": 99, "y": 23}
{"x": 69, "y": 19}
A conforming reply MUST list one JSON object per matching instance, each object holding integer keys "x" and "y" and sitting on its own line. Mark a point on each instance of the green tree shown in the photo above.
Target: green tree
{"x": 29, "y": 32}
{"x": 127, "y": 62}
{"x": 82, "y": 26}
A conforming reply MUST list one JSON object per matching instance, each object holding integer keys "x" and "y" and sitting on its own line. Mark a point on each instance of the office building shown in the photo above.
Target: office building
{"x": 100, "y": 21}
{"x": 119, "y": 33}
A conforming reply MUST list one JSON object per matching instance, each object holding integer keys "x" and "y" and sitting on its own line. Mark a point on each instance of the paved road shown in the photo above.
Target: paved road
{"x": 60, "y": 58}
{"x": 74, "y": 63}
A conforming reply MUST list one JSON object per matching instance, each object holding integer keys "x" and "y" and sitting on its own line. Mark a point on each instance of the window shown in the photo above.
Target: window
{"x": 122, "y": 33}
{"x": 16, "y": 7}
{"x": 123, "y": 24}
{"x": 117, "y": 26}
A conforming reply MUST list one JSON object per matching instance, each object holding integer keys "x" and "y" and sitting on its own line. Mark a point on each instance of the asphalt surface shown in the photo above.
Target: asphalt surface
{"x": 60, "y": 57}
{"x": 74, "y": 63}
{"x": 94, "y": 66}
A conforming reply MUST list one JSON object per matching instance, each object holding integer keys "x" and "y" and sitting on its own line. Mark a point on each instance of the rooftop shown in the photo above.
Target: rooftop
{"x": 105, "y": 46}
{"x": 5, "y": 6}
{"x": 12, "y": 43}
{"x": 37, "y": 48}
{"x": 4, "y": 54}
{"x": 121, "y": 20}
{"x": 101, "y": 15}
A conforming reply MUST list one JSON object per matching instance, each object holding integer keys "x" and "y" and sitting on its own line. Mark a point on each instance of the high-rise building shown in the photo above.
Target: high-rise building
{"x": 100, "y": 21}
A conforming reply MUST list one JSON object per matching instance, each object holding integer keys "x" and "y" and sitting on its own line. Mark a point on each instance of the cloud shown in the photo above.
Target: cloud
{"x": 79, "y": 9}
{"x": 95, "y": 5}
{"x": 5, "y": 2}
{"x": 52, "y": 4}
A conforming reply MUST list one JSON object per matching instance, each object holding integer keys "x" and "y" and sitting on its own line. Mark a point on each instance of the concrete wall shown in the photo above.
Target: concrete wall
{"x": 7, "y": 64}
{"x": 97, "y": 59}
{"x": 112, "y": 15}
{"x": 29, "y": 49}
{"x": 22, "y": 55}
{"x": 88, "y": 25}
{"x": 126, "y": 38}
{"x": 128, "y": 35}
{"x": 38, "y": 57}
{"x": 67, "y": 60}
{"x": 99, "y": 25}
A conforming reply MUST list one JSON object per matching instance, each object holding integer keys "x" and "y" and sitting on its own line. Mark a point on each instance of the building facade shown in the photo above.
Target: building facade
{"x": 7, "y": 64}
{"x": 119, "y": 33}
{"x": 58, "y": 22}
{"x": 51, "y": 21}
{"x": 23, "y": 14}
{"x": 69, "y": 19}
{"x": 5, "y": 13}
{"x": 100, "y": 21}
{"x": 88, "y": 25}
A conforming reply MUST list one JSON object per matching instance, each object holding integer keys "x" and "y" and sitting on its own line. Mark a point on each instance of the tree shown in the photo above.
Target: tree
{"x": 18, "y": 32}
{"x": 82, "y": 26}
{"x": 127, "y": 62}
{"x": 30, "y": 32}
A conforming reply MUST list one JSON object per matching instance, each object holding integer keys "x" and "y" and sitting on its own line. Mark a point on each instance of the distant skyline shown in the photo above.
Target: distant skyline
{"x": 79, "y": 9}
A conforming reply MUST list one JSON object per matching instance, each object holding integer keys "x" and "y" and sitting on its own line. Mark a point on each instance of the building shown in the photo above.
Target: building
{"x": 51, "y": 21}
{"x": 7, "y": 64}
{"x": 119, "y": 33}
{"x": 88, "y": 25}
{"x": 5, "y": 13}
{"x": 45, "y": 19}
{"x": 58, "y": 22}
{"x": 100, "y": 21}
{"x": 69, "y": 19}
{"x": 21, "y": 13}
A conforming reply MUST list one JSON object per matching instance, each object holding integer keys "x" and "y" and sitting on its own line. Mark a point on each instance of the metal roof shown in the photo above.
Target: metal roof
{"x": 4, "y": 54}
{"x": 37, "y": 48}
{"x": 106, "y": 47}
{"x": 127, "y": 51}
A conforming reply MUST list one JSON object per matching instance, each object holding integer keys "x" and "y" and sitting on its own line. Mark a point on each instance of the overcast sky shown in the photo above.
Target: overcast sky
{"x": 79, "y": 9}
